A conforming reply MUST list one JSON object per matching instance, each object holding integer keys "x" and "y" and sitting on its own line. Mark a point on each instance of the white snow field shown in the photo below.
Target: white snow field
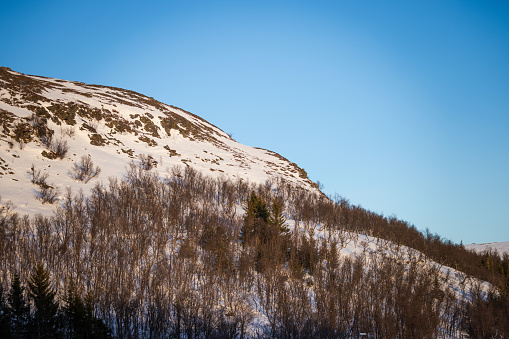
{"x": 500, "y": 247}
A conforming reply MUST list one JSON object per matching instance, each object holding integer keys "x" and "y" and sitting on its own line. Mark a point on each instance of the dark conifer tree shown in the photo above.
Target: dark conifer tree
{"x": 277, "y": 218}
{"x": 74, "y": 313}
{"x": 255, "y": 220}
{"x": 45, "y": 322}
{"x": 79, "y": 317}
{"x": 96, "y": 328}
{"x": 261, "y": 222}
{"x": 18, "y": 309}
{"x": 5, "y": 324}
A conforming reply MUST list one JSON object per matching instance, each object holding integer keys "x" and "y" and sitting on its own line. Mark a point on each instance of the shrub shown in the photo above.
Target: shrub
{"x": 84, "y": 170}
{"x": 36, "y": 177}
{"x": 40, "y": 128}
{"x": 69, "y": 131}
{"x": 48, "y": 194}
{"x": 146, "y": 162}
{"x": 60, "y": 148}
{"x": 47, "y": 140}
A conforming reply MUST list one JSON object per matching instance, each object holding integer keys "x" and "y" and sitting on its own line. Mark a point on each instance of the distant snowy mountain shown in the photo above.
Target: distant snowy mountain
{"x": 49, "y": 125}
{"x": 500, "y": 247}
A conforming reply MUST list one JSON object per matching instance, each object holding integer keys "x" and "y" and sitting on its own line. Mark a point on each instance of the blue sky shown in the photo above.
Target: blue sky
{"x": 399, "y": 106}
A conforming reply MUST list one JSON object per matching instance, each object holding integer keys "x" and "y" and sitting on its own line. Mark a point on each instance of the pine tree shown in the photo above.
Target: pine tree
{"x": 74, "y": 313}
{"x": 255, "y": 220}
{"x": 18, "y": 309}
{"x": 261, "y": 222}
{"x": 97, "y": 328}
{"x": 45, "y": 322}
{"x": 257, "y": 208}
{"x": 5, "y": 324}
{"x": 79, "y": 317}
{"x": 277, "y": 218}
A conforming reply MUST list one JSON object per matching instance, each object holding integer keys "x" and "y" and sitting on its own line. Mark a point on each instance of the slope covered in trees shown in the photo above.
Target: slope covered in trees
{"x": 194, "y": 256}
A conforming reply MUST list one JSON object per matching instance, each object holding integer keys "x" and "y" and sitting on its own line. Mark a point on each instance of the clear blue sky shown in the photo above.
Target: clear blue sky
{"x": 399, "y": 106}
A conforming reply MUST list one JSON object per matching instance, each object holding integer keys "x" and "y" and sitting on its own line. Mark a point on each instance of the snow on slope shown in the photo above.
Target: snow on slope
{"x": 115, "y": 127}
{"x": 500, "y": 247}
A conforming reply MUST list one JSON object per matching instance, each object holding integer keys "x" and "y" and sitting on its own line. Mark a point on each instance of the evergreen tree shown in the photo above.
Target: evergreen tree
{"x": 97, "y": 328}
{"x": 257, "y": 208}
{"x": 79, "y": 317}
{"x": 18, "y": 309}
{"x": 262, "y": 223}
{"x": 5, "y": 324}
{"x": 44, "y": 323}
{"x": 74, "y": 313}
{"x": 277, "y": 218}
{"x": 255, "y": 220}
{"x": 265, "y": 229}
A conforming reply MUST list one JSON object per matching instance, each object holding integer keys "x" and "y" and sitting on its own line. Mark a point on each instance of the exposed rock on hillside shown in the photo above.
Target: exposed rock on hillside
{"x": 52, "y": 123}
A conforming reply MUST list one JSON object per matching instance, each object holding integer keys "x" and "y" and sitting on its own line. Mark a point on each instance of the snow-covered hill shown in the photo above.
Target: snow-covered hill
{"x": 51, "y": 130}
{"x": 500, "y": 247}
{"x": 42, "y": 117}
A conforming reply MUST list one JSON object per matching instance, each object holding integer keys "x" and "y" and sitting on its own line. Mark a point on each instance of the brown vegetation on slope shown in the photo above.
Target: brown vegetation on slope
{"x": 170, "y": 258}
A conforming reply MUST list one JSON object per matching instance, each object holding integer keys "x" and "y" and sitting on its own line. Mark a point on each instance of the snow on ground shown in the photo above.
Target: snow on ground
{"x": 500, "y": 247}
{"x": 215, "y": 154}
{"x": 357, "y": 245}
{"x": 225, "y": 157}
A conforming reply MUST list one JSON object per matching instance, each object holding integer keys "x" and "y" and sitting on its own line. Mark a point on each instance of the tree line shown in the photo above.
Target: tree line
{"x": 197, "y": 257}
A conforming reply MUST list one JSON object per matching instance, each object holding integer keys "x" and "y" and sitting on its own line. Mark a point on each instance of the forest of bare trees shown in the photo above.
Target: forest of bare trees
{"x": 196, "y": 257}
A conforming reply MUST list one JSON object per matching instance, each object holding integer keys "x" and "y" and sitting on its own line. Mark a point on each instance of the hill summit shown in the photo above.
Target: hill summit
{"x": 48, "y": 125}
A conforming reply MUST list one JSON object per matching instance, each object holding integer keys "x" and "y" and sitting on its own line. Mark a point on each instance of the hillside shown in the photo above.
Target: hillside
{"x": 167, "y": 227}
{"x": 52, "y": 123}
{"x": 500, "y": 247}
